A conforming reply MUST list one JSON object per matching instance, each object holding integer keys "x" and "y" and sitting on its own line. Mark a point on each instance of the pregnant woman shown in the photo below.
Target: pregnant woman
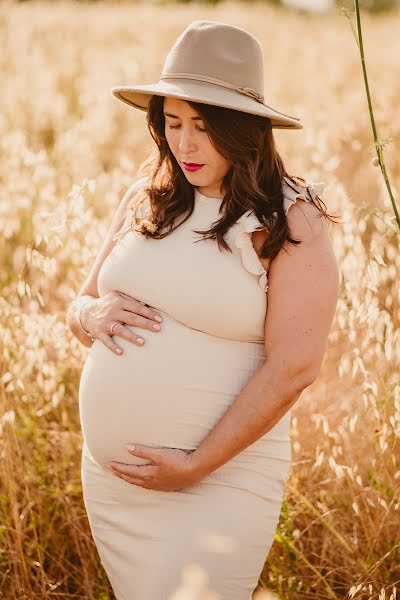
{"x": 186, "y": 434}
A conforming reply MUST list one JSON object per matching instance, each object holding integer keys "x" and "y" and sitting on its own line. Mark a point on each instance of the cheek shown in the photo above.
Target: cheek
{"x": 170, "y": 132}
{"x": 168, "y": 137}
{"x": 223, "y": 164}
{"x": 171, "y": 137}
{"x": 220, "y": 163}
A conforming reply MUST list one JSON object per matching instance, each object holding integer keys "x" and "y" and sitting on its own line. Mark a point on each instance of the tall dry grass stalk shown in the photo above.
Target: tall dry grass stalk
{"x": 68, "y": 151}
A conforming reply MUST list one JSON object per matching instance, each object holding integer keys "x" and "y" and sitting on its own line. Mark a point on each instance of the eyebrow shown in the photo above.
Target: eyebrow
{"x": 176, "y": 117}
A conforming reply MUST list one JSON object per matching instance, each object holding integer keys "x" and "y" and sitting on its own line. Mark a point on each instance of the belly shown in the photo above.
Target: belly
{"x": 168, "y": 393}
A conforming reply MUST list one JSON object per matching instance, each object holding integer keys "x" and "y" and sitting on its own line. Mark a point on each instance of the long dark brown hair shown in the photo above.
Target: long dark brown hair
{"x": 253, "y": 181}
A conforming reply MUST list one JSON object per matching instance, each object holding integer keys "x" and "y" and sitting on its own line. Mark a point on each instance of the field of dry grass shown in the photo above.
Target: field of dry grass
{"x": 68, "y": 151}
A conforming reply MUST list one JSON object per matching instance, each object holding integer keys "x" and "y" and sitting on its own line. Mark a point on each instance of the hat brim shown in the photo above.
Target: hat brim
{"x": 139, "y": 97}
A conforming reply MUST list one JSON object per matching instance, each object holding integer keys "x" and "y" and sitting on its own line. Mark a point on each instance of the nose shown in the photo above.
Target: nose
{"x": 186, "y": 142}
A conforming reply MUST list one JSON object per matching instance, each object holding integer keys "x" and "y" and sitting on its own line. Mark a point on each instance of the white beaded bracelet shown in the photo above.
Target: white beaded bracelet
{"x": 92, "y": 337}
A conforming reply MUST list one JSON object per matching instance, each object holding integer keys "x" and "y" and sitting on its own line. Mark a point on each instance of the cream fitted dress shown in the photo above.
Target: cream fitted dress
{"x": 208, "y": 541}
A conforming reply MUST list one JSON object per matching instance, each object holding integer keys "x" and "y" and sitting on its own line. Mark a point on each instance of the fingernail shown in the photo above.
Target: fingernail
{"x": 118, "y": 351}
{"x": 158, "y": 318}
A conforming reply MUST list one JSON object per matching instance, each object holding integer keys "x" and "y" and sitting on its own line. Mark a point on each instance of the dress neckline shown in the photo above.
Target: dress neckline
{"x": 210, "y": 200}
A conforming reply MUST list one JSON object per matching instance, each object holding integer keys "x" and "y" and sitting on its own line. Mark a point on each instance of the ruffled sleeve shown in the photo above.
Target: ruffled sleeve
{"x": 293, "y": 192}
{"x": 246, "y": 224}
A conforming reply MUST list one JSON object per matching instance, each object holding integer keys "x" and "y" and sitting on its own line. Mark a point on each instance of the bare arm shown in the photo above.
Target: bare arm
{"x": 302, "y": 298}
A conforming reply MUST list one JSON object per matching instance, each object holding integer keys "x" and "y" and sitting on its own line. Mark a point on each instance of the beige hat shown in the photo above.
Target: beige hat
{"x": 212, "y": 63}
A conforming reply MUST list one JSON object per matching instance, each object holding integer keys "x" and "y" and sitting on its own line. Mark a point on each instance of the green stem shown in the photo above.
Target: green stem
{"x": 377, "y": 143}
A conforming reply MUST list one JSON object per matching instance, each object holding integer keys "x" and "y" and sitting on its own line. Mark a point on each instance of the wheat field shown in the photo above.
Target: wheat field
{"x": 69, "y": 151}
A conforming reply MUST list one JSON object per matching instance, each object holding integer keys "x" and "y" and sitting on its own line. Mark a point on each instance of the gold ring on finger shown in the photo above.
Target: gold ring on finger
{"x": 113, "y": 325}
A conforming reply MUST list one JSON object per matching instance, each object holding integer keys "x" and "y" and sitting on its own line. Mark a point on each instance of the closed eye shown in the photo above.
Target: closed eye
{"x": 177, "y": 127}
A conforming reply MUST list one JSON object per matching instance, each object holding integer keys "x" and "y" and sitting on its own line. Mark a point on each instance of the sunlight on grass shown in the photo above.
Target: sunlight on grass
{"x": 68, "y": 153}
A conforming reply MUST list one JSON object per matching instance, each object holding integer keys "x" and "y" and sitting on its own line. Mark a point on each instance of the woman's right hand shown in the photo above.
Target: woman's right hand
{"x": 98, "y": 315}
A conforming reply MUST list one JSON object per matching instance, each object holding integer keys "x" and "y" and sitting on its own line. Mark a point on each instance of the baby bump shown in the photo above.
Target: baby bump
{"x": 169, "y": 393}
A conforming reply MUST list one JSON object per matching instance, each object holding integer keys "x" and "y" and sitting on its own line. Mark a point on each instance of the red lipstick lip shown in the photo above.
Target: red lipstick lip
{"x": 193, "y": 164}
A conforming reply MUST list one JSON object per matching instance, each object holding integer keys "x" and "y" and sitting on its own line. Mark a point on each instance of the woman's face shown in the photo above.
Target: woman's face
{"x": 189, "y": 143}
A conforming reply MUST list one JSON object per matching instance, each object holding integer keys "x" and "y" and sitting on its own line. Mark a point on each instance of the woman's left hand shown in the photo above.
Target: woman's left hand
{"x": 171, "y": 470}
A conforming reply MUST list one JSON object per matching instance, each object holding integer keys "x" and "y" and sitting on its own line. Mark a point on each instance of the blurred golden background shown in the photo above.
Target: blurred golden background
{"x": 69, "y": 151}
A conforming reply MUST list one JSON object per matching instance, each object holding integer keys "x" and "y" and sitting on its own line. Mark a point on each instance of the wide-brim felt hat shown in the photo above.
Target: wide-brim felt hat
{"x": 212, "y": 63}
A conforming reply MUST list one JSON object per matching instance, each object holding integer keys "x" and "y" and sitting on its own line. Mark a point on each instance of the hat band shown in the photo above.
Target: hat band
{"x": 247, "y": 91}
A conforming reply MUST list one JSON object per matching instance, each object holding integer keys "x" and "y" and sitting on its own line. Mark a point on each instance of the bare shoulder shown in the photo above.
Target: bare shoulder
{"x": 313, "y": 257}
{"x": 308, "y": 225}
{"x": 305, "y": 222}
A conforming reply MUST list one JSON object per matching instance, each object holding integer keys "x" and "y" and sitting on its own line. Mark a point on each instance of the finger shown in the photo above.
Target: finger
{"x": 137, "y": 320}
{"x": 154, "y": 454}
{"x": 140, "y": 471}
{"x": 128, "y": 297}
{"x": 121, "y": 331}
{"x": 109, "y": 343}
{"x": 137, "y": 307}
